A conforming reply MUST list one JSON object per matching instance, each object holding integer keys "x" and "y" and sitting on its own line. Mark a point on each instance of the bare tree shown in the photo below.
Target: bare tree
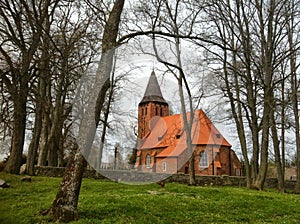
{"x": 21, "y": 29}
{"x": 40, "y": 94}
{"x": 252, "y": 34}
{"x": 64, "y": 207}
{"x": 67, "y": 49}
{"x": 292, "y": 18}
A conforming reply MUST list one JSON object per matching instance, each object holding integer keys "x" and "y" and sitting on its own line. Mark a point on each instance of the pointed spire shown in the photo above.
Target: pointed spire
{"x": 153, "y": 92}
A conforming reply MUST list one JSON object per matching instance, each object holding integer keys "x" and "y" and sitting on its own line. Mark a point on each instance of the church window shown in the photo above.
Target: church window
{"x": 203, "y": 159}
{"x": 142, "y": 111}
{"x": 146, "y": 111}
{"x": 164, "y": 166}
{"x": 148, "y": 161}
{"x": 161, "y": 111}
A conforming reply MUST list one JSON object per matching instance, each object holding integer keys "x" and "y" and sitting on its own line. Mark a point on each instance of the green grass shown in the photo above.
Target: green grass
{"x": 109, "y": 202}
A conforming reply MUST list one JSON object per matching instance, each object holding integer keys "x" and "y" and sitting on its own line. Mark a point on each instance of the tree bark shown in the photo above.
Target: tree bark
{"x": 294, "y": 86}
{"x": 103, "y": 134}
{"x": 34, "y": 144}
{"x": 187, "y": 127}
{"x": 40, "y": 101}
{"x": 19, "y": 123}
{"x": 295, "y": 102}
{"x": 64, "y": 207}
{"x": 268, "y": 91}
{"x": 277, "y": 153}
{"x": 46, "y": 124}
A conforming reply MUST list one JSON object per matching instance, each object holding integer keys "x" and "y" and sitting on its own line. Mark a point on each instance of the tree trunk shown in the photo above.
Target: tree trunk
{"x": 19, "y": 124}
{"x": 267, "y": 48}
{"x": 43, "y": 150}
{"x": 40, "y": 99}
{"x": 64, "y": 207}
{"x": 38, "y": 125}
{"x": 237, "y": 114}
{"x": 52, "y": 148}
{"x": 294, "y": 90}
{"x": 60, "y": 152}
{"x": 277, "y": 153}
{"x": 262, "y": 173}
{"x": 34, "y": 144}
{"x": 295, "y": 103}
{"x": 187, "y": 127}
{"x": 103, "y": 134}
{"x": 283, "y": 124}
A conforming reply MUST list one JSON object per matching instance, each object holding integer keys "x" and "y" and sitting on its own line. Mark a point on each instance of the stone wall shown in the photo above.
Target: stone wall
{"x": 138, "y": 177}
{"x": 210, "y": 180}
{"x": 50, "y": 171}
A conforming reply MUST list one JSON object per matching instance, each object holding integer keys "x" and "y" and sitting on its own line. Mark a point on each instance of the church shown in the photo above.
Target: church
{"x": 162, "y": 146}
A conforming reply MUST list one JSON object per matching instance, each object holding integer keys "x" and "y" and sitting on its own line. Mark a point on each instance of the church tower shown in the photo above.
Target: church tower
{"x": 153, "y": 104}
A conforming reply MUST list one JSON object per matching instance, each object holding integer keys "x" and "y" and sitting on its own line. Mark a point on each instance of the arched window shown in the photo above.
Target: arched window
{"x": 203, "y": 160}
{"x": 142, "y": 111}
{"x": 164, "y": 166}
{"x": 146, "y": 111}
{"x": 148, "y": 161}
{"x": 161, "y": 111}
{"x": 156, "y": 111}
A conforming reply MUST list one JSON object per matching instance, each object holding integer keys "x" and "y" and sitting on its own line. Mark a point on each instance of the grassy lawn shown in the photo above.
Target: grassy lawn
{"x": 109, "y": 202}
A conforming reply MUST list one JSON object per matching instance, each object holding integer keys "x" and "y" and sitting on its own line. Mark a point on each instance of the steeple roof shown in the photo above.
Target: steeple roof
{"x": 153, "y": 92}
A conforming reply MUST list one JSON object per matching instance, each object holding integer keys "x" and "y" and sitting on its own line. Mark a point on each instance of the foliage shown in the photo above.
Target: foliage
{"x": 110, "y": 202}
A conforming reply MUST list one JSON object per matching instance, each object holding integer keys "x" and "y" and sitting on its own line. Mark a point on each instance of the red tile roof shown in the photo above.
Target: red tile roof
{"x": 168, "y": 133}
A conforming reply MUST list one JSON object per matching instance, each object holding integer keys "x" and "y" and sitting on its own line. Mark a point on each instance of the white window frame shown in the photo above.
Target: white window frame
{"x": 203, "y": 159}
{"x": 148, "y": 160}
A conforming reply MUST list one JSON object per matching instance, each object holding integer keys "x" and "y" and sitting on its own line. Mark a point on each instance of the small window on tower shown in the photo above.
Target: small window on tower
{"x": 161, "y": 111}
{"x": 146, "y": 111}
{"x": 142, "y": 111}
{"x": 148, "y": 161}
{"x": 164, "y": 166}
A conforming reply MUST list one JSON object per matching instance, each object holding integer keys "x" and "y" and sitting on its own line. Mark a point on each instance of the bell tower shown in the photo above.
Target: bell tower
{"x": 153, "y": 104}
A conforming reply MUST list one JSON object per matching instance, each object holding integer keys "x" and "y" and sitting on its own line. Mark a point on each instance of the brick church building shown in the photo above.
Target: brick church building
{"x": 162, "y": 144}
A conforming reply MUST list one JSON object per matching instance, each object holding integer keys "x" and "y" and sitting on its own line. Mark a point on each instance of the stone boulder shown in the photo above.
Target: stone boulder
{"x": 23, "y": 168}
{"x": 3, "y": 184}
{"x": 26, "y": 179}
